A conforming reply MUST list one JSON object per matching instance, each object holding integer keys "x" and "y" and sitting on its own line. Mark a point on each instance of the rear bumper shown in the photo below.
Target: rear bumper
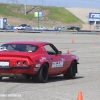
{"x": 11, "y": 75}
{"x": 17, "y": 70}
{"x": 14, "y": 67}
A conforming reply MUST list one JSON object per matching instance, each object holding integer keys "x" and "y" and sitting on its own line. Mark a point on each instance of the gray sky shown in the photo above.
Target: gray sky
{"x": 64, "y": 3}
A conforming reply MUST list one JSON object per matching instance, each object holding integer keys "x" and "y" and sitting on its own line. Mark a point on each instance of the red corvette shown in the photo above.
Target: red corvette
{"x": 35, "y": 60}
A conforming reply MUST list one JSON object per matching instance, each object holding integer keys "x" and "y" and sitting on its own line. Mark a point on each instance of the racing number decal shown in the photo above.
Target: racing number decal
{"x": 57, "y": 64}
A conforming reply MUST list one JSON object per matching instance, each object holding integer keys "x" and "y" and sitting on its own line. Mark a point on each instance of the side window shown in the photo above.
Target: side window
{"x": 32, "y": 48}
{"x": 50, "y": 50}
{"x": 9, "y": 46}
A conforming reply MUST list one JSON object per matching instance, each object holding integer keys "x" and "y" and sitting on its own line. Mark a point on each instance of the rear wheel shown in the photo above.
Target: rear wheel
{"x": 42, "y": 76}
{"x": 71, "y": 73}
{"x": 27, "y": 77}
{"x": 0, "y": 78}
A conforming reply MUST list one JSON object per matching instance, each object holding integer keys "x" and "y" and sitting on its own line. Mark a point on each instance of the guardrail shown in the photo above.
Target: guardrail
{"x": 22, "y": 31}
{"x": 63, "y": 31}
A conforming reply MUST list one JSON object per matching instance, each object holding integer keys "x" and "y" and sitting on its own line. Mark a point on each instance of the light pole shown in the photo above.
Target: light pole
{"x": 58, "y": 3}
{"x": 50, "y": 3}
{"x": 25, "y": 7}
{"x": 42, "y": 2}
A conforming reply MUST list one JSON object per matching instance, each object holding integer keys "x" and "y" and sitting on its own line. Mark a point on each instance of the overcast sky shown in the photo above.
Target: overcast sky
{"x": 64, "y": 3}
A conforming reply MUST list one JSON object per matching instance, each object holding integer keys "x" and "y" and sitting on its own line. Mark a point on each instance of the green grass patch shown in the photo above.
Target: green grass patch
{"x": 61, "y": 14}
{"x": 8, "y": 10}
{"x": 55, "y": 13}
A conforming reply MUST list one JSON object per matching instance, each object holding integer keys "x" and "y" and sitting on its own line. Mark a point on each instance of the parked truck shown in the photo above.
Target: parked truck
{"x": 3, "y": 23}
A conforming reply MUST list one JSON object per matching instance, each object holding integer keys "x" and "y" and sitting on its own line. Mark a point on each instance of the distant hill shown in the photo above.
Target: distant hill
{"x": 52, "y": 16}
{"x": 82, "y": 13}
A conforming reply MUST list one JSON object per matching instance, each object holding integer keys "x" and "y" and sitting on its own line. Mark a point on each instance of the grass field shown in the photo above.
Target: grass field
{"x": 55, "y": 13}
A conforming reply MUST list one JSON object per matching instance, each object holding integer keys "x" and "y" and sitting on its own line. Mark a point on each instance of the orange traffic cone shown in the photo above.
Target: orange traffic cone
{"x": 72, "y": 40}
{"x": 80, "y": 97}
{"x": 99, "y": 34}
{"x": 16, "y": 30}
{"x": 56, "y": 33}
{"x": 68, "y": 51}
{"x": 34, "y": 39}
{"x": 95, "y": 43}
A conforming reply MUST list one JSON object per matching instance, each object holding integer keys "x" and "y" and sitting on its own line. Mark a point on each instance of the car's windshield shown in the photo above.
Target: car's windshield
{"x": 20, "y": 47}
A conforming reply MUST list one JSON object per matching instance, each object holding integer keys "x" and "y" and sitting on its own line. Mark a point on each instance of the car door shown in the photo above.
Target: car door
{"x": 55, "y": 58}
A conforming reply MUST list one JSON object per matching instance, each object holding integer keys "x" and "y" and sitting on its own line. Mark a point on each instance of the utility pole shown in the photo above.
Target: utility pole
{"x": 42, "y": 2}
{"x": 25, "y": 7}
{"x": 50, "y": 3}
{"x": 58, "y": 3}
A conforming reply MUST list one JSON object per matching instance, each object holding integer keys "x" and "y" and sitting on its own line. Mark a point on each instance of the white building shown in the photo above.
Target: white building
{"x": 94, "y": 19}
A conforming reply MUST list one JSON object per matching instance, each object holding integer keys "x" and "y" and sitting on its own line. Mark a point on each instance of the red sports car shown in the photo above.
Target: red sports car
{"x": 35, "y": 60}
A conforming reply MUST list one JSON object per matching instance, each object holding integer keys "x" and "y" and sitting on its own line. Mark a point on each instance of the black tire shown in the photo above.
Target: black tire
{"x": 71, "y": 73}
{"x": 42, "y": 75}
{"x": 0, "y": 78}
{"x": 27, "y": 76}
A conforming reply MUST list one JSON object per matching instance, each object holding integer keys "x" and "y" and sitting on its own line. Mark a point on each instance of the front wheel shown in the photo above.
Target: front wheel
{"x": 71, "y": 73}
{"x": 42, "y": 75}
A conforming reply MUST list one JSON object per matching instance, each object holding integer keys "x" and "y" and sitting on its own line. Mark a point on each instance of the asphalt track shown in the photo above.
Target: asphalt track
{"x": 86, "y": 46}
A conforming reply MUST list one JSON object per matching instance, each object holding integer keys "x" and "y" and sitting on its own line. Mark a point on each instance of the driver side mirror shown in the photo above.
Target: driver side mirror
{"x": 59, "y": 52}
